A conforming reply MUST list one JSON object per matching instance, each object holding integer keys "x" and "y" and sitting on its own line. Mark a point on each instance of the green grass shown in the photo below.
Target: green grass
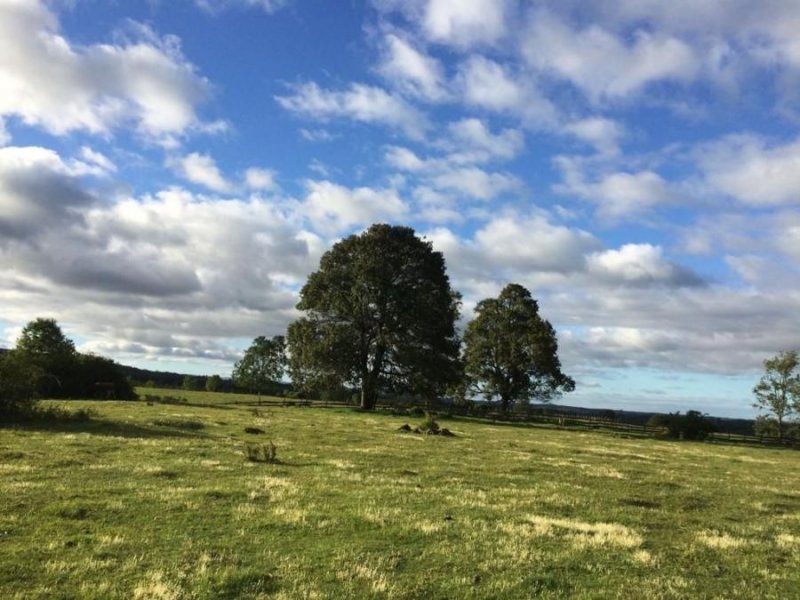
{"x": 160, "y": 502}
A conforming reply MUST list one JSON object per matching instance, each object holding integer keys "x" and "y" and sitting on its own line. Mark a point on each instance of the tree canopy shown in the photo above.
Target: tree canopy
{"x": 778, "y": 391}
{"x": 510, "y": 352}
{"x": 263, "y": 364}
{"x": 380, "y": 316}
{"x": 45, "y": 364}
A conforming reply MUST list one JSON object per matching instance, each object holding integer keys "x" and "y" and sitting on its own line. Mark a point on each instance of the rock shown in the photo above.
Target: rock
{"x": 254, "y": 430}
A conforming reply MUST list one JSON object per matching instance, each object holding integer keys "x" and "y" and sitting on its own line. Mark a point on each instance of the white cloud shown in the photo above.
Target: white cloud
{"x": 257, "y": 178}
{"x": 748, "y": 169}
{"x": 359, "y": 102}
{"x": 534, "y": 243}
{"x": 202, "y": 170}
{"x": 405, "y": 160}
{"x": 214, "y": 6}
{"x": 334, "y": 208}
{"x": 472, "y": 141}
{"x": 465, "y": 23}
{"x": 638, "y": 264}
{"x": 411, "y": 71}
{"x": 602, "y": 133}
{"x": 48, "y": 82}
{"x": 487, "y": 84}
{"x": 618, "y": 195}
{"x": 474, "y": 182}
{"x": 602, "y": 64}
{"x": 98, "y": 159}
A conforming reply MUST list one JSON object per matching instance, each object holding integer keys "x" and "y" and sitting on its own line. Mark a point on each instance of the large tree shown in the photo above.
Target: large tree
{"x": 380, "y": 316}
{"x": 778, "y": 391}
{"x": 511, "y": 352}
{"x": 262, "y": 365}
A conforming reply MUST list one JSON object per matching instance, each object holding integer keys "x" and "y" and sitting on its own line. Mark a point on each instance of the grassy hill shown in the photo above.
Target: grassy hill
{"x": 160, "y": 501}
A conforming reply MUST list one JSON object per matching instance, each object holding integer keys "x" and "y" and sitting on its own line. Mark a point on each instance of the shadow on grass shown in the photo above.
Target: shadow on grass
{"x": 96, "y": 426}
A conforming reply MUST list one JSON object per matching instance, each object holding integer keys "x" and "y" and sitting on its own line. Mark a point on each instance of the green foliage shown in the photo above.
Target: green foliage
{"x": 511, "y": 353}
{"x": 380, "y": 317}
{"x": 778, "y": 391}
{"x": 213, "y": 383}
{"x": 191, "y": 383}
{"x": 46, "y": 348}
{"x": 98, "y": 377}
{"x": 18, "y": 377}
{"x": 691, "y": 426}
{"x": 47, "y": 361}
{"x": 263, "y": 364}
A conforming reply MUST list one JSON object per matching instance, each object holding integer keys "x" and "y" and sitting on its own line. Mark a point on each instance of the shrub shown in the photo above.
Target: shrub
{"x": 266, "y": 453}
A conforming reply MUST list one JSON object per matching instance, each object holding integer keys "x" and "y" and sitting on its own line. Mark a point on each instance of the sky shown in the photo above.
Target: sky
{"x": 172, "y": 171}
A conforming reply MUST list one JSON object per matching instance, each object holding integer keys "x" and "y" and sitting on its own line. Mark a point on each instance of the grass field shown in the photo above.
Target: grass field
{"x": 160, "y": 502}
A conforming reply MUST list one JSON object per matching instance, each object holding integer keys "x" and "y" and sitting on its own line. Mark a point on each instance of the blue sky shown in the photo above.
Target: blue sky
{"x": 170, "y": 172}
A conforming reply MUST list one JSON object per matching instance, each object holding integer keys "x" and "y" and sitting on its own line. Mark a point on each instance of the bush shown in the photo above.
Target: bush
{"x": 266, "y": 453}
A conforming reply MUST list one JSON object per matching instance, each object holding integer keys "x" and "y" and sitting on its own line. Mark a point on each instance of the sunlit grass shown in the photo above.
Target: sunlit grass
{"x": 160, "y": 502}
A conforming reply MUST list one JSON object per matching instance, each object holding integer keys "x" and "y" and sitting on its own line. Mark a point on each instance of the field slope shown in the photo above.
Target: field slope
{"x": 160, "y": 502}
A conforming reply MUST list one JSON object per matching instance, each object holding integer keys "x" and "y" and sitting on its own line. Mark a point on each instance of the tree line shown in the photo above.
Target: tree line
{"x": 45, "y": 364}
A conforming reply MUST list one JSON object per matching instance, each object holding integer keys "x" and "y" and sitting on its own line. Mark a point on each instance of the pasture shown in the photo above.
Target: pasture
{"x": 159, "y": 501}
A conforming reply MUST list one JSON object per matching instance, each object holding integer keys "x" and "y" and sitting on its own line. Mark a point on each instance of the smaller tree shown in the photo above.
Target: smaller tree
{"x": 190, "y": 383}
{"x": 778, "y": 391}
{"x": 511, "y": 353}
{"x": 213, "y": 383}
{"x": 263, "y": 364}
{"x": 44, "y": 346}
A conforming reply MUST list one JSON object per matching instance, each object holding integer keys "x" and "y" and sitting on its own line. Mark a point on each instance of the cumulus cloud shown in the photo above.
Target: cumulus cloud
{"x": 169, "y": 264}
{"x": 534, "y": 244}
{"x": 201, "y": 169}
{"x": 412, "y": 71}
{"x": 747, "y": 168}
{"x": 618, "y": 195}
{"x": 602, "y": 64}
{"x": 49, "y": 82}
{"x": 489, "y": 85}
{"x": 465, "y": 23}
{"x": 257, "y": 178}
{"x": 455, "y": 23}
{"x": 37, "y": 190}
{"x": 473, "y": 141}
{"x": 335, "y": 208}
{"x": 474, "y": 182}
{"x": 360, "y": 102}
{"x": 602, "y": 133}
{"x": 639, "y": 264}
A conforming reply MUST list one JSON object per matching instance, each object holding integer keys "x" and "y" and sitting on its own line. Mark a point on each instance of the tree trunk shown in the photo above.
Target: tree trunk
{"x": 367, "y": 396}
